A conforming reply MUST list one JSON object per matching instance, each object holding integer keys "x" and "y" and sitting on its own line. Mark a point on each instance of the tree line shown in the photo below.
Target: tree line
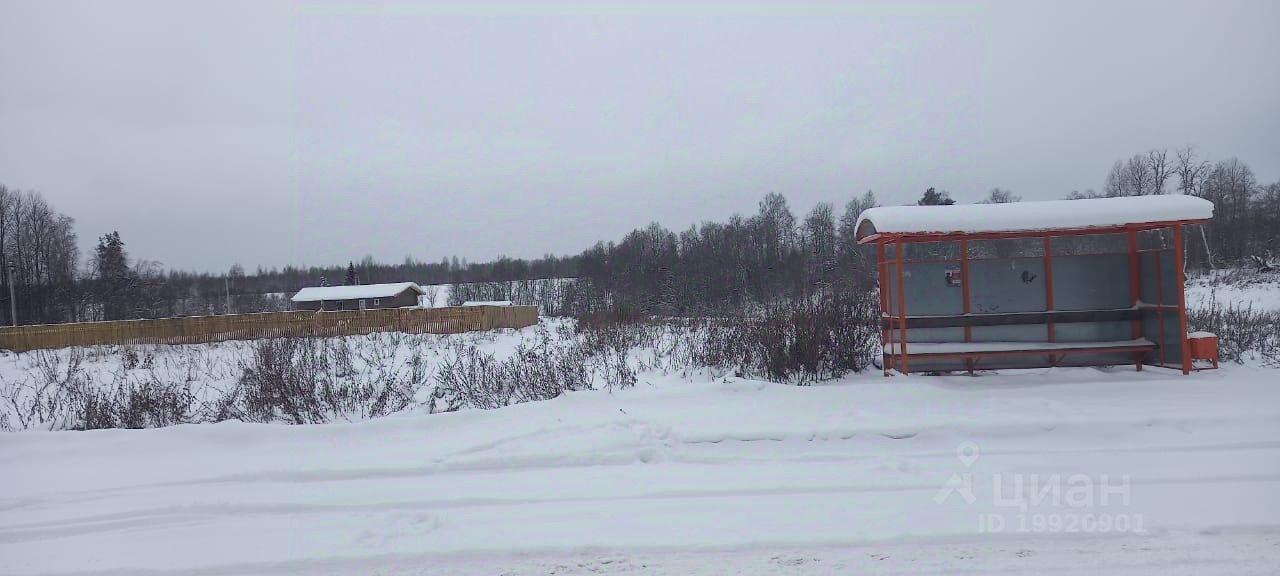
{"x": 713, "y": 268}
{"x": 771, "y": 257}
{"x": 1246, "y": 213}
{"x": 41, "y": 260}
{"x": 727, "y": 267}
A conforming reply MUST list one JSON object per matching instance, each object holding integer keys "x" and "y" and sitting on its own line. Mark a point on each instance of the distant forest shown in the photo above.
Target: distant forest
{"x": 713, "y": 268}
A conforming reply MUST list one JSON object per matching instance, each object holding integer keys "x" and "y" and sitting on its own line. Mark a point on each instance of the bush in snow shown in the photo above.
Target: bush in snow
{"x": 311, "y": 380}
{"x": 796, "y": 341}
{"x": 46, "y": 397}
{"x": 145, "y": 403}
{"x": 799, "y": 342}
{"x": 289, "y": 380}
{"x": 541, "y": 370}
{"x": 1242, "y": 331}
{"x": 59, "y": 393}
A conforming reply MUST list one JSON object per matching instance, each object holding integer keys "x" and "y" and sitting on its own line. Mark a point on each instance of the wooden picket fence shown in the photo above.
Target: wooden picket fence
{"x": 201, "y": 329}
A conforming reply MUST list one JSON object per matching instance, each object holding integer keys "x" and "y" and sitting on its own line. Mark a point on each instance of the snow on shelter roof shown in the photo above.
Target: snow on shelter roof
{"x": 1031, "y": 216}
{"x": 331, "y": 293}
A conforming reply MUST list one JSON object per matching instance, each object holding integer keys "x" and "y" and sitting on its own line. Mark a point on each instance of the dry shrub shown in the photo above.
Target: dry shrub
{"x": 798, "y": 342}
{"x": 60, "y": 394}
{"x": 47, "y": 397}
{"x": 311, "y": 380}
{"x": 144, "y": 403}
{"x": 1242, "y": 331}
{"x": 541, "y": 370}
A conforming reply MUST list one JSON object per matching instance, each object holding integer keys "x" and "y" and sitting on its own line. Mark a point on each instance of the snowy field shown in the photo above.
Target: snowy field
{"x": 1259, "y": 291}
{"x": 1065, "y": 471}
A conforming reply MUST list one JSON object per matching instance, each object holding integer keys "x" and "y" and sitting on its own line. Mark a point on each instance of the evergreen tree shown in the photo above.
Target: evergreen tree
{"x": 352, "y": 279}
{"x": 115, "y": 279}
{"x": 934, "y": 198}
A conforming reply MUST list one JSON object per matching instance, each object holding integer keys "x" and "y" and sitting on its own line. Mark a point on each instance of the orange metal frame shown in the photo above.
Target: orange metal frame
{"x": 964, "y": 294}
{"x": 894, "y": 309}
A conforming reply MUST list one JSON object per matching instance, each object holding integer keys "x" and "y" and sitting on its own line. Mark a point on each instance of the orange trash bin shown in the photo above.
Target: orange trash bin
{"x": 1204, "y": 346}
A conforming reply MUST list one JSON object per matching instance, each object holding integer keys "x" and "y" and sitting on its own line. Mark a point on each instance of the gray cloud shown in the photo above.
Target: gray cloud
{"x": 274, "y": 133}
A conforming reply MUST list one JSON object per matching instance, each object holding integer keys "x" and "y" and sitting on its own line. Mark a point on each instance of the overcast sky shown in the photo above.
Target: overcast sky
{"x": 274, "y": 133}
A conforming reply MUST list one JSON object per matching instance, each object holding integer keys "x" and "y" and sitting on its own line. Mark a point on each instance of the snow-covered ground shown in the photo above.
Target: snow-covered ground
{"x": 1063, "y": 471}
{"x": 437, "y": 295}
{"x": 1235, "y": 288}
{"x": 1072, "y": 471}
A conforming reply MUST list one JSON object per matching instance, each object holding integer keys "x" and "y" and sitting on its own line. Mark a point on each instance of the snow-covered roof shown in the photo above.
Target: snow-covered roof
{"x": 1032, "y": 216}
{"x": 331, "y": 293}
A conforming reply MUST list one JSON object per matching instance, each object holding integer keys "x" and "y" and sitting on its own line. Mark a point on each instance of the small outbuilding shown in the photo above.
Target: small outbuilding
{"x": 358, "y": 297}
{"x": 1033, "y": 284}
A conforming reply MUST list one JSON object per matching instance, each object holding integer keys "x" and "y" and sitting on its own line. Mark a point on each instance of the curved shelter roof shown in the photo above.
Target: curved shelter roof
{"x": 1094, "y": 215}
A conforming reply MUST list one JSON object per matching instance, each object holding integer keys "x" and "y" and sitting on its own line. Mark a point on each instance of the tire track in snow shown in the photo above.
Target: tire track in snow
{"x": 1237, "y": 551}
{"x": 173, "y": 516}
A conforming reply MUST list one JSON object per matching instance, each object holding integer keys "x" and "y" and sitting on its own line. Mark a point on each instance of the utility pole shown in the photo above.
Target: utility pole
{"x": 226, "y": 285}
{"x": 13, "y": 301}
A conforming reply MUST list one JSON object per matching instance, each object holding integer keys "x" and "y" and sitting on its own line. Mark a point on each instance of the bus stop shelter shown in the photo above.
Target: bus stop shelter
{"x": 1033, "y": 284}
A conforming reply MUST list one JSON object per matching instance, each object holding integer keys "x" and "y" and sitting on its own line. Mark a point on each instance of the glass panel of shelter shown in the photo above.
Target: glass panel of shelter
{"x": 1029, "y": 247}
{"x": 1090, "y": 244}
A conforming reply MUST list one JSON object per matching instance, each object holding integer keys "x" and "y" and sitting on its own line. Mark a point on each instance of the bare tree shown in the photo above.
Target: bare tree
{"x": 1266, "y": 225}
{"x": 1140, "y": 175}
{"x": 1000, "y": 196}
{"x": 854, "y": 263}
{"x": 41, "y": 245}
{"x": 1087, "y": 194}
{"x": 1190, "y": 170}
{"x": 1160, "y": 168}
{"x": 818, "y": 234}
{"x": 1231, "y": 186}
{"x": 1126, "y": 178}
{"x": 429, "y": 296}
